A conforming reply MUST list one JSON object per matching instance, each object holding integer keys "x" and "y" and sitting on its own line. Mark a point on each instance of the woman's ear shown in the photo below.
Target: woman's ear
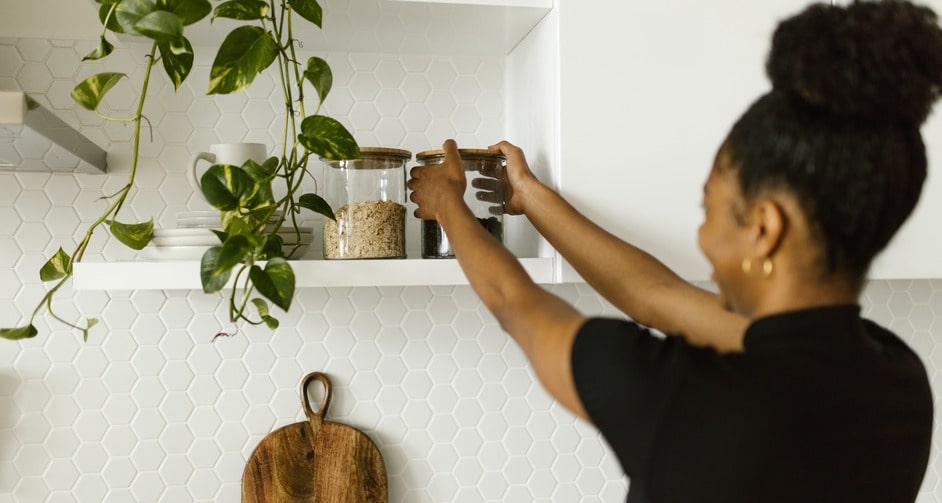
{"x": 769, "y": 225}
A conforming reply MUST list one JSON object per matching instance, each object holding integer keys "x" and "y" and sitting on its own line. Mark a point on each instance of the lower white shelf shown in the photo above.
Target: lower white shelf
{"x": 185, "y": 275}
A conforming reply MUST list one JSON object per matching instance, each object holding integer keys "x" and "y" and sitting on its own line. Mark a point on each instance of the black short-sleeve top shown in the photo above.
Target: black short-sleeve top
{"x": 822, "y": 405}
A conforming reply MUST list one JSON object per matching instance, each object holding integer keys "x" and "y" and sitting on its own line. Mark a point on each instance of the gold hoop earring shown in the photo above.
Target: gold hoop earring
{"x": 746, "y": 265}
{"x": 767, "y": 267}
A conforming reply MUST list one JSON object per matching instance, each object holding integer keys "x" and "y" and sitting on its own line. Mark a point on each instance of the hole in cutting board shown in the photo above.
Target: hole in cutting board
{"x": 316, "y": 392}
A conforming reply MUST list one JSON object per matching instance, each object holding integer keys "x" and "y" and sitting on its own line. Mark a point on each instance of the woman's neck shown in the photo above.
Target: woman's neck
{"x": 792, "y": 295}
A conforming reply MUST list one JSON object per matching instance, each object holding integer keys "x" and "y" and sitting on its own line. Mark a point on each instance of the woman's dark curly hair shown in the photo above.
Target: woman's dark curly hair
{"x": 839, "y": 130}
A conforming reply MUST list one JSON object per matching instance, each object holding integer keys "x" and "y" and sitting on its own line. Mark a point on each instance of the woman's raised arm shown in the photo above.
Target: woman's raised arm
{"x": 632, "y": 280}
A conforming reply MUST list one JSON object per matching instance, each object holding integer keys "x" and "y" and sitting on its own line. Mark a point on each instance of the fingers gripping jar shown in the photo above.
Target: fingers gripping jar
{"x": 484, "y": 171}
{"x": 368, "y": 196}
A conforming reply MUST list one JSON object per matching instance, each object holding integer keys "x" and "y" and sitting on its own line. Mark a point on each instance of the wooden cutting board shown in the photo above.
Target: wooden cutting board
{"x": 315, "y": 461}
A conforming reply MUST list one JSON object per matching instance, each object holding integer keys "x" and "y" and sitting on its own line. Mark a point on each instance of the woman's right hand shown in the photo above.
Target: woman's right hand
{"x": 517, "y": 177}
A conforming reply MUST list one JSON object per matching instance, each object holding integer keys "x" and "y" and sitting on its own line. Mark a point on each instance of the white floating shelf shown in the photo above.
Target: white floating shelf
{"x": 184, "y": 275}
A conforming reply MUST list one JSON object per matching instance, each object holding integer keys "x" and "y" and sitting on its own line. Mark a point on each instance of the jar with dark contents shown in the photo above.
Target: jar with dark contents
{"x": 368, "y": 197}
{"x": 484, "y": 171}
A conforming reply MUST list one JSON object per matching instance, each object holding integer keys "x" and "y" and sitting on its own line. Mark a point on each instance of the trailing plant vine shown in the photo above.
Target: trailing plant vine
{"x": 250, "y": 257}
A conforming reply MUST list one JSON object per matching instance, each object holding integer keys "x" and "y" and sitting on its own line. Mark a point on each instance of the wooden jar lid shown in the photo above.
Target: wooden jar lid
{"x": 465, "y": 153}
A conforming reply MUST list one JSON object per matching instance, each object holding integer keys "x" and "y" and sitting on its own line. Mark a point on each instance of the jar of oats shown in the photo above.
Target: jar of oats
{"x": 368, "y": 197}
{"x": 484, "y": 171}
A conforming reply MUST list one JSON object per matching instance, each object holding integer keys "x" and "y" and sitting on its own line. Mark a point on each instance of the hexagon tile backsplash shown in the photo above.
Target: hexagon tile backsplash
{"x": 150, "y": 409}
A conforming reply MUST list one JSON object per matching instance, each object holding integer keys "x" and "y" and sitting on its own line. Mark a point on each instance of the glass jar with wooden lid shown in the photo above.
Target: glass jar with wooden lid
{"x": 368, "y": 197}
{"x": 484, "y": 171}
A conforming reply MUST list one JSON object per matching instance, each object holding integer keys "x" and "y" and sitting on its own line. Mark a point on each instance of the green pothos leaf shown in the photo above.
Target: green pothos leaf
{"x": 177, "y": 58}
{"x": 271, "y": 165}
{"x": 274, "y": 247}
{"x": 239, "y": 227}
{"x": 189, "y": 11}
{"x": 160, "y": 25}
{"x": 328, "y": 138}
{"x": 261, "y": 172}
{"x": 129, "y": 12}
{"x": 244, "y": 10}
{"x": 233, "y": 252}
{"x": 217, "y": 262}
{"x": 308, "y": 9}
{"x": 104, "y": 48}
{"x": 244, "y": 53}
{"x": 262, "y": 307}
{"x": 90, "y": 322}
{"x": 222, "y": 235}
{"x": 317, "y": 204}
{"x": 262, "y": 202}
{"x": 275, "y": 282}
{"x": 213, "y": 277}
{"x": 319, "y": 75}
{"x": 89, "y": 92}
{"x": 15, "y": 334}
{"x": 134, "y": 236}
{"x": 106, "y": 14}
{"x": 226, "y": 187}
{"x": 56, "y": 267}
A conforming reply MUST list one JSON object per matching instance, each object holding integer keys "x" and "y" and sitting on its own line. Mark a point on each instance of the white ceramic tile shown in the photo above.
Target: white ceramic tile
{"x": 591, "y": 481}
{"x": 390, "y": 72}
{"x": 441, "y": 74}
{"x": 442, "y": 101}
{"x": 32, "y": 206}
{"x": 148, "y": 423}
{"x": 33, "y": 237}
{"x": 416, "y": 354}
{"x": 389, "y": 131}
{"x": 63, "y": 62}
{"x": 416, "y": 88}
{"x": 10, "y": 60}
{"x": 467, "y": 354}
{"x": 33, "y": 428}
{"x": 468, "y": 470}
{"x": 416, "y": 414}
{"x": 363, "y": 116}
{"x": 415, "y": 117}
{"x": 34, "y": 78}
{"x": 364, "y": 86}
{"x": 9, "y": 221}
{"x": 147, "y": 486}
{"x": 258, "y": 114}
{"x": 61, "y": 411}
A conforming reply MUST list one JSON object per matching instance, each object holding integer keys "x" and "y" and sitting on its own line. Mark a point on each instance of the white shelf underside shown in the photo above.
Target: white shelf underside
{"x": 185, "y": 275}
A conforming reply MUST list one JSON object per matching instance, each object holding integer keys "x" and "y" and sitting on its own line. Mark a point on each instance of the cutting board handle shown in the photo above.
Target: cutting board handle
{"x": 315, "y": 418}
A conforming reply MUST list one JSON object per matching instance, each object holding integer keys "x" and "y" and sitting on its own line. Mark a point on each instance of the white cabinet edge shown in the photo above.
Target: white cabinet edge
{"x": 184, "y": 275}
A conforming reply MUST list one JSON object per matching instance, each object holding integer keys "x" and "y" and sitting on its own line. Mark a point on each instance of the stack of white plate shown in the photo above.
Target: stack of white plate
{"x": 206, "y": 219}
{"x": 191, "y": 243}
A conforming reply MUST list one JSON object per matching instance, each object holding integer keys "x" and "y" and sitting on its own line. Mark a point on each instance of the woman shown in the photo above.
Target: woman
{"x": 775, "y": 389}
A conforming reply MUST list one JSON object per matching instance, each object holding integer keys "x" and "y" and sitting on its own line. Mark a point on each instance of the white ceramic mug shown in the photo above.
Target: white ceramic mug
{"x": 227, "y": 153}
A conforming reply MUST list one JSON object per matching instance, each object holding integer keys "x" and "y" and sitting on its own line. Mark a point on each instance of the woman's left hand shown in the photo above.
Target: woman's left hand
{"x": 437, "y": 187}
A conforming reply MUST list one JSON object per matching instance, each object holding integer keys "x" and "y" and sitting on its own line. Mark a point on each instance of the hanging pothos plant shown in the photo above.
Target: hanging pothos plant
{"x": 250, "y": 255}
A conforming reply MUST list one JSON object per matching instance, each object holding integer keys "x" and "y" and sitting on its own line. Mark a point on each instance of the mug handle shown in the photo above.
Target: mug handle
{"x": 194, "y": 179}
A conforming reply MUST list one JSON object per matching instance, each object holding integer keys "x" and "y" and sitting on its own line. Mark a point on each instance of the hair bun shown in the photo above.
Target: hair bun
{"x": 869, "y": 60}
